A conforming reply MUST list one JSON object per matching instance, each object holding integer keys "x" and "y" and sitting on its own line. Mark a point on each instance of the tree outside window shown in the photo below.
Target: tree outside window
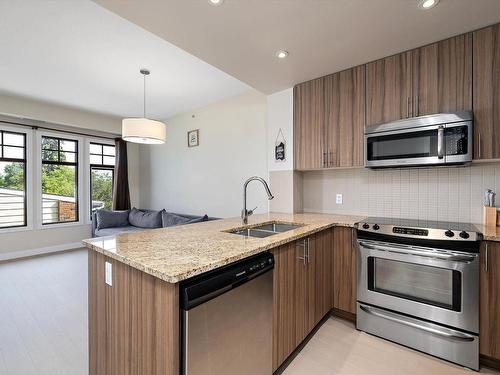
{"x": 59, "y": 180}
{"x": 102, "y": 169}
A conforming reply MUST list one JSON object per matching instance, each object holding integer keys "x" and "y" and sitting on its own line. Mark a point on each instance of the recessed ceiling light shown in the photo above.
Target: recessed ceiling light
{"x": 427, "y": 4}
{"x": 215, "y": 3}
{"x": 281, "y": 54}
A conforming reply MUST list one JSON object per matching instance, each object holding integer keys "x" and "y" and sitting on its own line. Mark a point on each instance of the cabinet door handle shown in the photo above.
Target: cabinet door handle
{"x": 304, "y": 251}
{"x": 486, "y": 256}
{"x": 417, "y": 102}
{"x": 407, "y": 106}
{"x": 307, "y": 252}
{"x": 479, "y": 145}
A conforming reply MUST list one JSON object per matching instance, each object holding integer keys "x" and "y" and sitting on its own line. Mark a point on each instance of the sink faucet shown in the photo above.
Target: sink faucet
{"x": 246, "y": 213}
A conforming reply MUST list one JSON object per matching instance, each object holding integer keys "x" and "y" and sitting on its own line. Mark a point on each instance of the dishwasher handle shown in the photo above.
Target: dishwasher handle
{"x": 203, "y": 288}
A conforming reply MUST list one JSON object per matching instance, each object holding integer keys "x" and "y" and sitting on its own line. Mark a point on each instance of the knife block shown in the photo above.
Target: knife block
{"x": 490, "y": 216}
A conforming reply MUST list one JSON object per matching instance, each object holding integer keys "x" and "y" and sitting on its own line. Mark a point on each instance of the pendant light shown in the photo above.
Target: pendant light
{"x": 143, "y": 130}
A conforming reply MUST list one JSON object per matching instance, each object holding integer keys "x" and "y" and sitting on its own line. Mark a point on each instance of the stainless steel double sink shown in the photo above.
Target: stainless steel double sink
{"x": 266, "y": 230}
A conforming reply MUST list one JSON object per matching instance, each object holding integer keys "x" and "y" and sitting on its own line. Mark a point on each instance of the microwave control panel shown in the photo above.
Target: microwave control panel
{"x": 456, "y": 140}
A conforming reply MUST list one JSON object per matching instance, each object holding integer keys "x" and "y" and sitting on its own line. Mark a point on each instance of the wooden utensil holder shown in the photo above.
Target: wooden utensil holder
{"x": 490, "y": 216}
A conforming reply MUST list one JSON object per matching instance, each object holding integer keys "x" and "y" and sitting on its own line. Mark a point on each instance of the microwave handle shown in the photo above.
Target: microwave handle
{"x": 440, "y": 141}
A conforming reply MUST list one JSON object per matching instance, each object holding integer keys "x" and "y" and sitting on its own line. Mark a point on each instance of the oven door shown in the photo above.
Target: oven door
{"x": 437, "y": 285}
{"x": 427, "y": 145}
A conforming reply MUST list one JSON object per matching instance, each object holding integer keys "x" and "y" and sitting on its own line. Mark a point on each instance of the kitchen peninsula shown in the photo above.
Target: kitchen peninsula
{"x": 134, "y": 310}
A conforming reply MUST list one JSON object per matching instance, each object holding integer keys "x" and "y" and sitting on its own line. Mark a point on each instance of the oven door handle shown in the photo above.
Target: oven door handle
{"x": 449, "y": 334}
{"x": 427, "y": 254}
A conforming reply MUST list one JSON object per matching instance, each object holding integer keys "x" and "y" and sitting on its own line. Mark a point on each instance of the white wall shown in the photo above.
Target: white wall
{"x": 208, "y": 179}
{"x": 445, "y": 194}
{"x": 280, "y": 116}
{"x": 286, "y": 184}
{"x": 29, "y": 242}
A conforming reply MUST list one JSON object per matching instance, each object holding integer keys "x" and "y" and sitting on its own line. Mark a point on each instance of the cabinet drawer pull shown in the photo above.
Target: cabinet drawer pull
{"x": 486, "y": 256}
{"x": 479, "y": 145}
{"x": 305, "y": 254}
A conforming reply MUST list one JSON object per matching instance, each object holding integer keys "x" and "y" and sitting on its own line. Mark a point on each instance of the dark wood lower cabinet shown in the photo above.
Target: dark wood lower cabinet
{"x": 302, "y": 291}
{"x": 133, "y": 324}
{"x": 489, "y": 339}
{"x": 345, "y": 270}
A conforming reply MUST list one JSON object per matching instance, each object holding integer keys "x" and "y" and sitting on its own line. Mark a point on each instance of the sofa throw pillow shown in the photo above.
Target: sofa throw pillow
{"x": 169, "y": 219}
{"x": 145, "y": 218}
{"x": 111, "y": 219}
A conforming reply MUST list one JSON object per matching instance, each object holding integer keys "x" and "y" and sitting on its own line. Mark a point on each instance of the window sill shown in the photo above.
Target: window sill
{"x": 16, "y": 229}
{"x": 62, "y": 225}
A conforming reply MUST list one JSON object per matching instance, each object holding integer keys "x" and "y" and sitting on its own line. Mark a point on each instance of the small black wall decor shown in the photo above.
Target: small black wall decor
{"x": 280, "y": 147}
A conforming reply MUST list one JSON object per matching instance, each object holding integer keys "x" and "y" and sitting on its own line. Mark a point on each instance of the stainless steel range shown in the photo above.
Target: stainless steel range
{"x": 418, "y": 285}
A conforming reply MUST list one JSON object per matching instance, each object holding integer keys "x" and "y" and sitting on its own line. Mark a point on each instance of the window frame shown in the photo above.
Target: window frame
{"x": 28, "y": 186}
{"x": 99, "y": 141}
{"x": 105, "y": 167}
{"x": 79, "y": 179}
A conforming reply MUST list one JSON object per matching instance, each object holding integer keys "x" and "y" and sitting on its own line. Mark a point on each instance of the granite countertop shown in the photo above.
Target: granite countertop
{"x": 177, "y": 253}
{"x": 489, "y": 233}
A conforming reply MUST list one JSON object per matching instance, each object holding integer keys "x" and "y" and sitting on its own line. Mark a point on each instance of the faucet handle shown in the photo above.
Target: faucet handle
{"x": 250, "y": 212}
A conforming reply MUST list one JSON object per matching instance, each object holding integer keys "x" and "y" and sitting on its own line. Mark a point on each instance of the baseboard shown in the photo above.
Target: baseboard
{"x": 344, "y": 315}
{"x": 14, "y": 255}
{"x": 489, "y": 362}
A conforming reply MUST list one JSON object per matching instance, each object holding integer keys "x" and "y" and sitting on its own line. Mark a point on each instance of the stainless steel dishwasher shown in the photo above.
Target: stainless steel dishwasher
{"x": 226, "y": 319}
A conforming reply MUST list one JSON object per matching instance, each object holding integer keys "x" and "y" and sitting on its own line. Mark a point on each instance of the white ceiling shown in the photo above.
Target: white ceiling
{"x": 241, "y": 37}
{"x": 78, "y": 54}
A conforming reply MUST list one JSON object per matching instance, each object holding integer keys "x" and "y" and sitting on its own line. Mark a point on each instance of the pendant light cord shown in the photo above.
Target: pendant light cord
{"x": 144, "y": 75}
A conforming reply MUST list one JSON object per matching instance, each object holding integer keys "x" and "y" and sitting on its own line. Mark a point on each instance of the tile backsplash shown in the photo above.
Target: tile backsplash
{"x": 447, "y": 194}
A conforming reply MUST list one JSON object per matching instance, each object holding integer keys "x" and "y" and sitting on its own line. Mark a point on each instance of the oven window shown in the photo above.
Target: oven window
{"x": 430, "y": 285}
{"x": 402, "y": 146}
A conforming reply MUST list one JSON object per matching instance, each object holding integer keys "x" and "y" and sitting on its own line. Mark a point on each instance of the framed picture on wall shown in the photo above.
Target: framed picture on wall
{"x": 193, "y": 138}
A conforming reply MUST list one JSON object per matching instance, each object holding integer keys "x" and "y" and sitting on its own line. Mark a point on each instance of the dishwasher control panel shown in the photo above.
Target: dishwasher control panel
{"x": 209, "y": 285}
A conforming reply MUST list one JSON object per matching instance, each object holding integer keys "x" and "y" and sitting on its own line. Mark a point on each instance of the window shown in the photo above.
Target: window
{"x": 13, "y": 210}
{"x": 102, "y": 174}
{"x": 59, "y": 180}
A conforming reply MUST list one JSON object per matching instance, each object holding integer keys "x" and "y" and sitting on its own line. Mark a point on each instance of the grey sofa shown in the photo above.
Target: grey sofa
{"x": 108, "y": 223}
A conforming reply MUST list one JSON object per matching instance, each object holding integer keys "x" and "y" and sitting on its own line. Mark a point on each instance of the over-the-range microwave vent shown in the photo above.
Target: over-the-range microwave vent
{"x": 443, "y": 139}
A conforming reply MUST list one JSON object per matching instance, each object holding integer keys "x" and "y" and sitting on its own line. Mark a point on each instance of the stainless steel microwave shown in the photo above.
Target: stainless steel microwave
{"x": 440, "y": 139}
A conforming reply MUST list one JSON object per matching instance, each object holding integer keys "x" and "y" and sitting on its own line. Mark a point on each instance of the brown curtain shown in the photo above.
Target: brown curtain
{"x": 121, "y": 193}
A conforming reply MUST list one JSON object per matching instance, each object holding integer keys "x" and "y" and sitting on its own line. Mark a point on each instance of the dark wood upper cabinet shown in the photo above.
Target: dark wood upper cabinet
{"x": 486, "y": 78}
{"x": 432, "y": 79}
{"x": 489, "y": 335}
{"x": 445, "y": 76}
{"x": 329, "y": 116}
{"x": 344, "y": 118}
{"x": 389, "y": 84}
{"x": 330, "y": 112}
{"x": 308, "y": 124}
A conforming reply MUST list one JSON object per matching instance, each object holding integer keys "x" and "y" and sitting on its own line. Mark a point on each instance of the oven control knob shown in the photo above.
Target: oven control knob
{"x": 376, "y": 227}
{"x": 463, "y": 234}
{"x": 366, "y": 226}
{"x": 449, "y": 233}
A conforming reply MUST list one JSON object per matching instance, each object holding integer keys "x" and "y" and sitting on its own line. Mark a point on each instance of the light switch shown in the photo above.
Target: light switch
{"x": 108, "y": 273}
{"x": 339, "y": 199}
